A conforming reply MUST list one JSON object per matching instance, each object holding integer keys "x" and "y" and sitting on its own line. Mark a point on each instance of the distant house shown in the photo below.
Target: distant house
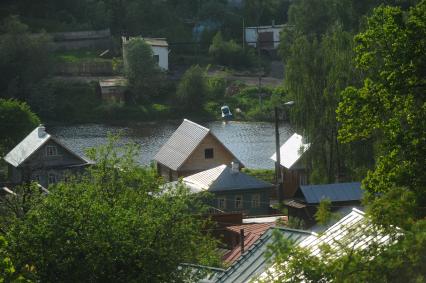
{"x": 267, "y": 36}
{"x": 233, "y": 190}
{"x": 113, "y": 90}
{"x": 191, "y": 149}
{"x": 307, "y": 198}
{"x": 160, "y": 50}
{"x": 42, "y": 158}
{"x": 294, "y": 172}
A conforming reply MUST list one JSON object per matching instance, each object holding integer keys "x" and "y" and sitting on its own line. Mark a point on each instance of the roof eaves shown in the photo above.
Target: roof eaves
{"x": 31, "y": 154}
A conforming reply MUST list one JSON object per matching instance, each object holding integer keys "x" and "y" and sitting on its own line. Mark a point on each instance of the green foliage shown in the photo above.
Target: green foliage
{"x": 57, "y": 100}
{"x": 24, "y": 59}
{"x": 8, "y": 273}
{"x": 113, "y": 224}
{"x": 229, "y": 53}
{"x": 192, "y": 89}
{"x": 262, "y": 174}
{"x": 141, "y": 70}
{"x": 16, "y": 121}
{"x": 390, "y": 106}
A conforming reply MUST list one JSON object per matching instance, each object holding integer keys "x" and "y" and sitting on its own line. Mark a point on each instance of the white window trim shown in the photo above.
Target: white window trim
{"x": 255, "y": 200}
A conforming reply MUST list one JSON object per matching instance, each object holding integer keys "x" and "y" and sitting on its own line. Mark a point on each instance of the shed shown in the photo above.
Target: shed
{"x": 268, "y": 36}
{"x": 113, "y": 89}
{"x": 293, "y": 170}
{"x": 160, "y": 50}
{"x": 192, "y": 148}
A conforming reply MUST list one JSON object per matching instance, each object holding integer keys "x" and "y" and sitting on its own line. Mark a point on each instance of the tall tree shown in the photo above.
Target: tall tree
{"x": 24, "y": 59}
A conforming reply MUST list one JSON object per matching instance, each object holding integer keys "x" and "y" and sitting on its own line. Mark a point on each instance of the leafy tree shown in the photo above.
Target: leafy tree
{"x": 192, "y": 89}
{"x": 141, "y": 69}
{"x": 24, "y": 59}
{"x": 16, "y": 121}
{"x": 229, "y": 53}
{"x": 390, "y": 106}
{"x": 114, "y": 224}
{"x": 8, "y": 273}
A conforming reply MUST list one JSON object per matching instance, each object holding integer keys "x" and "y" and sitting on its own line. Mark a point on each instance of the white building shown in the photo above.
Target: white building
{"x": 160, "y": 50}
{"x": 269, "y": 36}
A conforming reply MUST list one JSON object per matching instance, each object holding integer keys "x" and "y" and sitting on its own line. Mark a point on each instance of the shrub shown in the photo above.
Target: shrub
{"x": 192, "y": 89}
{"x": 229, "y": 53}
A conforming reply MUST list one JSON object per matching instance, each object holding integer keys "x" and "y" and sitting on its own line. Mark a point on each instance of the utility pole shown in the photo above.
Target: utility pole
{"x": 279, "y": 182}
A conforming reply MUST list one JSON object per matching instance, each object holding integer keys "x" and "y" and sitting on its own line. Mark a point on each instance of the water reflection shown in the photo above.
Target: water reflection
{"x": 252, "y": 142}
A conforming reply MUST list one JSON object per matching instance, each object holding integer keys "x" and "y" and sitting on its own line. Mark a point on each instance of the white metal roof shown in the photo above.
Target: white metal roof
{"x": 27, "y": 146}
{"x": 291, "y": 151}
{"x": 202, "y": 181}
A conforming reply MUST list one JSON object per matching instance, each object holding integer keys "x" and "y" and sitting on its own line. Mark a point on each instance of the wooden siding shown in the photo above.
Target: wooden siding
{"x": 247, "y": 208}
{"x": 291, "y": 181}
{"x": 197, "y": 162}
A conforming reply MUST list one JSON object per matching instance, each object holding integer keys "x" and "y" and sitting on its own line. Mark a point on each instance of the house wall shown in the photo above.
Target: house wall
{"x": 251, "y": 35}
{"x": 197, "y": 161}
{"x": 163, "y": 54}
{"x": 247, "y": 208}
{"x": 40, "y": 165}
{"x": 292, "y": 179}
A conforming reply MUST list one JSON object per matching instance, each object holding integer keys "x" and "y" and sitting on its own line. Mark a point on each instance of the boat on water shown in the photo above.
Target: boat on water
{"x": 226, "y": 113}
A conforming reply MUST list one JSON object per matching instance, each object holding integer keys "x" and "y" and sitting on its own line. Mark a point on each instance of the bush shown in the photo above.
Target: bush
{"x": 229, "y": 53}
{"x": 192, "y": 89}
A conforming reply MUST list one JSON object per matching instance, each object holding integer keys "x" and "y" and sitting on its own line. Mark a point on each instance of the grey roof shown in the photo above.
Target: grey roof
{"x": 182, "y": 144}
{"x": 334, "y": 192}
{"x": 223, "y": 178}
{"x": 253, "y": 262}
{"x": 31, "y": 143}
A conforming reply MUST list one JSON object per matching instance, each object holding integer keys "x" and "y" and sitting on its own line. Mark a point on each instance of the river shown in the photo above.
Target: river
{"x": 252, "y": 142}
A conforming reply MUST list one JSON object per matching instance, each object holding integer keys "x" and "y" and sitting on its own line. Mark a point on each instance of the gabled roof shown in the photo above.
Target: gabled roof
{"x": 291, "y": 151}
{"x": 161, "y": 42}
{"x": 223, "y": 178}
{"x": 348, "y": 233}
{"x": 334, "y": 192}
{"x": 30, "y": 144}
{"x": 182, "y": 144}
{"x": 253, "y": 262}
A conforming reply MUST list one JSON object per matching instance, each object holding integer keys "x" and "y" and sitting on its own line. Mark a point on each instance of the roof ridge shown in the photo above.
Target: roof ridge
{"x": 198, "y": 125}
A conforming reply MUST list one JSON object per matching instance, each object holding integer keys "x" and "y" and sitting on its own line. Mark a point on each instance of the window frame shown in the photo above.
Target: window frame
{"x": 238, "y": 202}
{"x": 255, "y": 200}
{"x": 209, "y": 153}
{"x": 221, "y": 203}
{"x": 51, "y": 150}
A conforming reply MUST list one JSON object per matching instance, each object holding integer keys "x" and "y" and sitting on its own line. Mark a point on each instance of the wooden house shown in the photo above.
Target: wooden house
{"x": 192, "y": 148}
{"x": 42, "y": 158}
{"x": 293, "y": 169}
{"x": 307, "y": 198}
{"x": 233, "y": 190}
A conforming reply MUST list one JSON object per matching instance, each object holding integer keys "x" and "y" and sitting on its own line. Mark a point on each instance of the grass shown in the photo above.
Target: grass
{"x": 76, "y": 56}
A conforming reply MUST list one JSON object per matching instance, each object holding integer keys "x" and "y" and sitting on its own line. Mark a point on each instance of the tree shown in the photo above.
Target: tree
{"x": 192, "y": 89}
{"x": 16, "y": 121}
{"x": 8, "y": 273}
{"x": 390, "y": 106}
{"x": 24, "y": 59}
{"x": 114, "y": 224}
{"x": 141, "y": 69}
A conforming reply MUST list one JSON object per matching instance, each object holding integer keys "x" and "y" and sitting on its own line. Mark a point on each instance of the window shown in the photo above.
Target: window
{"x": 238, "y": 202}
{"x": 221, "y": 203}
{"x": 51, "y": 150}
{"x": 208, "y": 153}
{"x": 156, "y": 58}
{"x": 52, "y": 179}
{"x": 255, "y": 200}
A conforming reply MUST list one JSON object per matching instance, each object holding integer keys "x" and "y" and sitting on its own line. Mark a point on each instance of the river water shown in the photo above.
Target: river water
{"x": 252, "y": 142}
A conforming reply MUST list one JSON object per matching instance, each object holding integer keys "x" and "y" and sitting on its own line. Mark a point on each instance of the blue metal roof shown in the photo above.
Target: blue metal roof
{"x": 334, "y": 192}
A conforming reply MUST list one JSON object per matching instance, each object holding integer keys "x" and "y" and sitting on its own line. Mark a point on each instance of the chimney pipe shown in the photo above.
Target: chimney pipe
{"x": 41, "y": 131}
{"x": 235, "y": 167}
{"x": 242, "y": 240}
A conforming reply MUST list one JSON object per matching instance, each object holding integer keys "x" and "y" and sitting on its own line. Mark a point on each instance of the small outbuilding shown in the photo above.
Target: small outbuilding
{"x": 267, "y": 36}
{"x": 192, "y": 148}
{"x": 305, "y": 203}
{"x": 293, "y": 169}
{"x": 113, "y": 89}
